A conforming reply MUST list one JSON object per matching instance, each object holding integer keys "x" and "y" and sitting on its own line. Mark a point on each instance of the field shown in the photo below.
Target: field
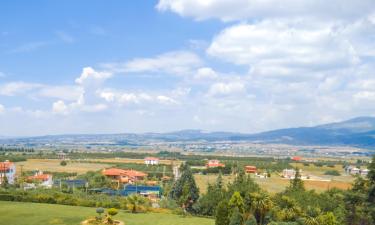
{"x": 278, "y": 184}
{"x": 19, "y": 213}
{"x": 53, "y": 165}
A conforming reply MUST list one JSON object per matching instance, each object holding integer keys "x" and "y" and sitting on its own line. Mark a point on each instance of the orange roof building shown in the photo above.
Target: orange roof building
{"x": 250, "y": 169}
{"x": 43, "y": 179}
{"x": 124, "y": 176}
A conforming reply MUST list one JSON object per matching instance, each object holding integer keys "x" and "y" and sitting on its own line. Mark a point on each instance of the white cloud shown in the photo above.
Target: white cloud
{"x": 166, "y": 100}
{"x": 60, "y": 107}
{"x": 69, "y": 93}
{"x": 178, "y": 63}
{"x": 284, "y": 48}
{"x": 223, "y": 89}
{"x": 90, "y": 76}
{"x": 205, "y": 73}
{"x": 2, "y": 108}
{"x": 258, "y": 9}
{"x": 18, "y": 88}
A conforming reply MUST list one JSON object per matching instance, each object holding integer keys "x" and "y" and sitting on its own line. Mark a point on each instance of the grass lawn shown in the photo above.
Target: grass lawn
{"x": 20, "y": 213}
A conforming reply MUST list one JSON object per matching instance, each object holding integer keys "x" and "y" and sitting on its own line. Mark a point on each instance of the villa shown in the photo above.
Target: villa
{"x": 8, "y": 170}
{"x": 124, "y": 176}
{"x": 151, "y": 161}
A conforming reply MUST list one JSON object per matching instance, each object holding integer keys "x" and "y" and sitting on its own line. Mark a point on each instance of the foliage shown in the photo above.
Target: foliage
{"x": 63, "y": 163}
{"x": 332, "y": 173}
{"x": 185, "y": 190}
{"x": 222, "y": 213}
{"x": 236, "y": 217}
{"x": 112, "y": 212}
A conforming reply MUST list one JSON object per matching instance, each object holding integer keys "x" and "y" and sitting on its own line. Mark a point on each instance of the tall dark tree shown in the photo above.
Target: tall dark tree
{"x": 185, "y": 190}
{"x": 296, "y": 184}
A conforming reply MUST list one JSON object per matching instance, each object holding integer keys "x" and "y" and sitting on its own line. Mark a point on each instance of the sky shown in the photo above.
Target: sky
{"x": 94, "y": 66}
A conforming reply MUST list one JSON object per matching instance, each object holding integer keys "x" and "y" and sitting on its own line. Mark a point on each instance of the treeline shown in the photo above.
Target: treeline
{"x": 16, "y": 149}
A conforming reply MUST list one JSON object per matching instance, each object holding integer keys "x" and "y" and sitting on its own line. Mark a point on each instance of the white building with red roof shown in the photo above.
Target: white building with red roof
{"x": 8, "y": 170}
{"x": 214, "y": 163}
{"x": 42, "y": 179}
{"x": 151, "y": 161}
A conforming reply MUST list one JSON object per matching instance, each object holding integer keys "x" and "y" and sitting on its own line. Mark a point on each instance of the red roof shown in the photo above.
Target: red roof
{"x": 152, "y": 158}
{"x": 4, "y": 166}
{"x": 121, "y": 172}
{"x": 296, "y": 158}
{"x": 41, "y": 177}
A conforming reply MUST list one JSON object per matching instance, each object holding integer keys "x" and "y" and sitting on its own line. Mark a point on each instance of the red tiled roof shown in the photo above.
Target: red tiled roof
{"x": 42, "y": 177}
{"x": 4, "y": 166}
{"x": 121, "y": 172}
{"x": 152, "y": 158}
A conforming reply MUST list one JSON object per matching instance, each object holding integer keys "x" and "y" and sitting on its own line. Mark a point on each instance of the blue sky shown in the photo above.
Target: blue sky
{"x": 93, "y": 66}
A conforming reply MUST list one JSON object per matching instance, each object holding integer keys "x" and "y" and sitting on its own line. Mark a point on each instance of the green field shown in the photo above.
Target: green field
{"x": 20, "y": 213}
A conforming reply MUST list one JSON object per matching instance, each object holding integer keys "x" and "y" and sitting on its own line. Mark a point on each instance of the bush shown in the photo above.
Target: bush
{"x": 63, "y": 163}
{"x": 332, "y": 173}
{"x": 112, "y": 212}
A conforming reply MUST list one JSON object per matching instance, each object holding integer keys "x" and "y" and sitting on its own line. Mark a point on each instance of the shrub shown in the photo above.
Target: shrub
{"x": 63, "y": 163}
{"x": 112, "y": 212}
{"x": 332, "y": 173}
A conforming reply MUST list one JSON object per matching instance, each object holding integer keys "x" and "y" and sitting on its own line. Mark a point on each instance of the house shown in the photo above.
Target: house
{"x": 8, "y": 170}
{"x": 43, "y": 179}
{"x": 214, "y": 163}
{"x": 124, "y": 176}
{"x": 354, "y": 171}
{"x": 296, "y": 158}
{"x": 250, "y": 169}
{"x": 290, "y": 173}
{"x": 364, "y": 172}
{"x": 151, "y": 161}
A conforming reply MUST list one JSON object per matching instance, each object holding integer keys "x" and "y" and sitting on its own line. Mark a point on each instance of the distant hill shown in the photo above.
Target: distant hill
{"x": 357, "y": 132}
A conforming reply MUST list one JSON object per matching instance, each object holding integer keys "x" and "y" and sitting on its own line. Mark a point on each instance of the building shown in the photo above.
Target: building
{"x": 296, "y": 158}
{"x": 214, "y": 163}
{"x": 364, "y": 172}
{"x": 124, "y": 176}
{"x": 42, "y": 179}
{"x": 250, "y": 169}
{"x": 151, "y": 161}
{"x": 8, "y": 170}
{"x": 290, "y": 173}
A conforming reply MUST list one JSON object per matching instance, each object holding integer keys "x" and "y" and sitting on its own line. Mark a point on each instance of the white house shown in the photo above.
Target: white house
{"x": 7, "y": 169}
{"x": 290, "y": 173}
{"x": 364, "y": 172}
{"x": 151, "y": 161}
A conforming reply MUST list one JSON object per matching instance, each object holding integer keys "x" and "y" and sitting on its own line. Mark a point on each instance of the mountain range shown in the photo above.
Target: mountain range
{"x": 356, "y": 132}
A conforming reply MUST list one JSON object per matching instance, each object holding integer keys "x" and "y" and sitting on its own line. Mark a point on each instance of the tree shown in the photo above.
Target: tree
{"x": 236, "y": 217}
{"x": 135, "y": 201}
{"x": 328, "y": 219}
{"x": 251, "y": 221}
{"x": 222, "y": 213}
{"x": 185, "y": 190}
{"x": 236, "y": 201}
{"x": 99, "y": 211}
{"x": 260, "y": 205}
{"x": 296, "y": 184}
{"x": 63, "y": 163}
{"x": 4, "y": 181}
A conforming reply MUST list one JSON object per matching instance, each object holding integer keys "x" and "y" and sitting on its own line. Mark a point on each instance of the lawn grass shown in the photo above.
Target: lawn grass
{"x": 21, "y": 213}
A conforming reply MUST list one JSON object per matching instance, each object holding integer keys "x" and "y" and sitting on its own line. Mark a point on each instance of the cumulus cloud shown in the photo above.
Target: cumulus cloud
{"x": 178, "y": 63}
{"x": 283, "y": 48}
{"x": 91, "y": 76}
{"x": 59, "y": 107}
{"x": 227, "y": 10}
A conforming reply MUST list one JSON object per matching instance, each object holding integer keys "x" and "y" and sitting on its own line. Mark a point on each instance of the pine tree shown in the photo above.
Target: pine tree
{"x": 222, "y": 214}
{"x": 297, "y": 184}
{"x": 236, "y": 217}
{"x": 185, "y": 190}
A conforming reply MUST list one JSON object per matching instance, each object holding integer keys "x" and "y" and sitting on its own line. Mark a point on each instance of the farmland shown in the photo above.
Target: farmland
{"x": 17, "y": 212}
